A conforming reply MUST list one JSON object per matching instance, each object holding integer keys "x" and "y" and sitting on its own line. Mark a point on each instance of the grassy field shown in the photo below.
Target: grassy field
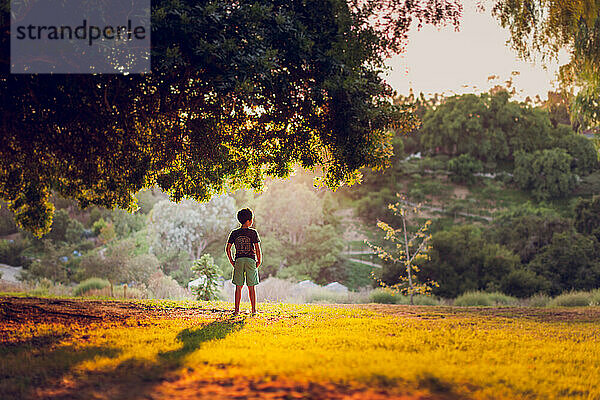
{"x": 100, "y": 349}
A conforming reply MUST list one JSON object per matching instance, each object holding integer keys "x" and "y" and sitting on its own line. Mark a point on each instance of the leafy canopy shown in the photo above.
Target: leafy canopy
{"x": 238, "y": 91}
{"x": 541, "y": 27}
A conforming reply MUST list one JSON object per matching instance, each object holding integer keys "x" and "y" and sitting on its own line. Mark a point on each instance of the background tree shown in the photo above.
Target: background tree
{"x": 544, "y": 28}
{"x": 190, "y": 226}
{"x": 488, "y": 127}
{"x": 547, "y": 173}
{"x": 463, "y": 168}
{"x": 461, "y": 260}
{"x": 408, "y": 249}
{"x": 238, "y": 91}
{"x": 286, "y": 211}
{"x": 569, "y": 262}
{"x": 587, "y": 216}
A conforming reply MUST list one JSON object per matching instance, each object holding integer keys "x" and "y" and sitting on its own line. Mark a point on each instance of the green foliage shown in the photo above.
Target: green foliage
{"x": 547, "y": 173}
{"x": 74, "y": 232}
{"x": 374, "y": 205}
{"x": 583, "y": 152}
{"x": 587, "y": 216}
{"x": 60, "y": 222}
{"x": 570, "y": 261}
{"x": 422, "y": 300}
{"x": 98, "y": 225}
{"x": 462, "y": 260}
{"x": 383, "y": 296}
{"x": 406, "y": 246}
{"x": 523, "y": 283}
{"x": 287, "y": 210}
{"x": 539, "y": 300}
{"x": 126, "y": 223}
{"x": 463, "y": 168}
{"x": 325, "y": 296}
{"x": 589, "y": 185}
{"x": 190, "y": 226}
{"x": 51, "y": 264}
{"x": 118, "y": 262}
{"x": 572, "y": 299}
{"x": 488, "y": 127}
{"x": 206, "y": 269}
{"x": 318, "y": 257}
{"x": 478, "y": 298}
{"x": 11, "y": 252}
{"x": 309, "y": 67}
{"x": 526, "y": 229}
{"x": 7, "y": 220}
{"x": 147, "y": 198}
{"x": 357, "y": 275}
{"x": 549, "y": 28}
{"x": 276, "y": 256}
{"x": 89, "y": 284}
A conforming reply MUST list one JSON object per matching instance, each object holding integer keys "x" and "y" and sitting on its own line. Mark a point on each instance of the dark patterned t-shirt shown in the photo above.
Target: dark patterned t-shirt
{"x": 243, "y": 239}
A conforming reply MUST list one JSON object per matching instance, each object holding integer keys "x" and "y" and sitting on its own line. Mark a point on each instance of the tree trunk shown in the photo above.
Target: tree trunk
{"x": 408, "y": 269}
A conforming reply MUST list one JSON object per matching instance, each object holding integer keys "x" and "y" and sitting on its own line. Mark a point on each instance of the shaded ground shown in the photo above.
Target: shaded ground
{"x": 66, "y": 311}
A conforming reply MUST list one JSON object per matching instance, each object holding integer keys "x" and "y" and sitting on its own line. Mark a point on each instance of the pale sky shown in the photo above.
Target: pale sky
{"x": 443, "y": 60}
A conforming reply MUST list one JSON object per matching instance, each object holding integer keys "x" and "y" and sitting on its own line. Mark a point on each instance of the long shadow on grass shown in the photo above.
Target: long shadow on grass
{"x": 39, "y": 362}
{"x": 137, "y": 378}
{"x": 192, "y": 339}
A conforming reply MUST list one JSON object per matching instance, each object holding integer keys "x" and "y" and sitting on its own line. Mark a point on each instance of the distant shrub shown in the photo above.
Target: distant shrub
{"x": 501, "y": 299}
{"x": 420, "y": 300}
{"x": 89, "y": 284}
{"x": 595, "y": 297}
{"x": 539, "y": 300}
{"x": 463, "y": 167}
{"x": 471, "y": 299}
{"x": 11, "y": 252}
{"x": 274, "y": 290}
{"x": 479, "y": 298}
{"x": 164, "y": 287}
{"x": 383, "y": 297}
{"x": 326, "y": 296}
{"x": 572, "y": 299}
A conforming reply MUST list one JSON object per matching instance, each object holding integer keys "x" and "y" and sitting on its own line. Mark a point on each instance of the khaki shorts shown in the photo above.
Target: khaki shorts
{"x": 245, "y": 268}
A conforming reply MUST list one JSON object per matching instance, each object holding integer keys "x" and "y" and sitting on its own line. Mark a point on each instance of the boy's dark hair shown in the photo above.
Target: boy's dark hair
{"x": 244, "y": 215}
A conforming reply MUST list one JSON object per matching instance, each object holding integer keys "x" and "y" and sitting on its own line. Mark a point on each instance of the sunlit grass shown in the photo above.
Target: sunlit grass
{"x": 467, "y": 353}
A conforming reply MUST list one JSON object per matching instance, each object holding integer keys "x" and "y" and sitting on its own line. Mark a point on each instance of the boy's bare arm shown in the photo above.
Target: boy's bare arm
{"x": 228, "y": 251}
{"x": 258, "y": 254}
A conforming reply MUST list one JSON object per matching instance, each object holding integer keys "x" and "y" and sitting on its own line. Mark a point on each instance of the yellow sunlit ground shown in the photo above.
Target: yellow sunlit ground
{"x": 187, "y": 348}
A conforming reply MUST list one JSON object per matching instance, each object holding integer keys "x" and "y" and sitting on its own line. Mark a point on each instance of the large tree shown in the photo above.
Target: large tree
{"x": 547, "y": 27}
{"x": 238, "y": 91}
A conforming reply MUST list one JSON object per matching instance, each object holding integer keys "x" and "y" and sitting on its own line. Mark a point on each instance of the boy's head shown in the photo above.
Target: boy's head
{"x": 244, "y": 215}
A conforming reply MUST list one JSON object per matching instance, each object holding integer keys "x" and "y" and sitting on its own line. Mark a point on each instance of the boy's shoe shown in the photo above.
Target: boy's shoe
{"x": 253, "y": 314}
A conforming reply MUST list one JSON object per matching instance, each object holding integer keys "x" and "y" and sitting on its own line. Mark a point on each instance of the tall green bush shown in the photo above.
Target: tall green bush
{"x": 463, "y": 168}
{"x": 546, "y": 174}
{"x": 89, "y": 284}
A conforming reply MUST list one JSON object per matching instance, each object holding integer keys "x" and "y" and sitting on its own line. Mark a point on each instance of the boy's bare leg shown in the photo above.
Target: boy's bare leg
{"x": 238, "y": 297}
{"x": 252, "y": 295}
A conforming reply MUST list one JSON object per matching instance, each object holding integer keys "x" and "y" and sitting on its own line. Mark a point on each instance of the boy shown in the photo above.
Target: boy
{"x": 247, "y": 258}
